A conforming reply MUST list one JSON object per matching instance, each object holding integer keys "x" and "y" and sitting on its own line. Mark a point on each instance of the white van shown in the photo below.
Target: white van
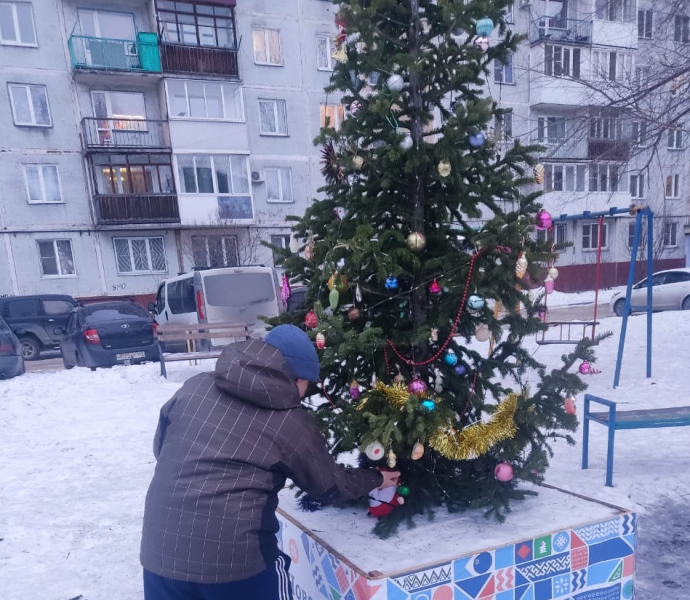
{"x": 231, "y": 295}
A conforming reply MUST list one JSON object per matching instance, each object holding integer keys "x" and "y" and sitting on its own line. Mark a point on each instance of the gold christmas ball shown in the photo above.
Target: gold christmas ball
{"x": 357, "y": 163}
{"x": 338, "y": 282}
{"x": 521, "y": 266}
{"x": 354, "y": 314}
{"x": 417, "y": 451}
{"x": 539, "y": 173}
{"x": 416, "y": 241}
{"x": 444, "y": 168}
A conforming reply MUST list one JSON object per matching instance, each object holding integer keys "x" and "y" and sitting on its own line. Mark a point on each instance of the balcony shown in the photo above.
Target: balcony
{"x": 560, "y": 31}
{"x": 136, "y": 209}
{"x": 177, "y": 58}
{"x": 127, "y": 134}
{"x": 608, "y": 150}
{"x": 92, "y": 53}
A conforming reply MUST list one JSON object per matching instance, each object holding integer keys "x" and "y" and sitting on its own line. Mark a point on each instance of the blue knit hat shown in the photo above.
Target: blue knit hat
{"x": 298, "y": 350}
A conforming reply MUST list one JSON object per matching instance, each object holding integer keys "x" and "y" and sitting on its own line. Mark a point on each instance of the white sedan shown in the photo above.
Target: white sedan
{"x": 670, "y": 291}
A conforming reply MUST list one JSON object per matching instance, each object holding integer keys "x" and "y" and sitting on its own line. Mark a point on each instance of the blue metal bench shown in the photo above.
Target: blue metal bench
{"x": 627, "y": 419}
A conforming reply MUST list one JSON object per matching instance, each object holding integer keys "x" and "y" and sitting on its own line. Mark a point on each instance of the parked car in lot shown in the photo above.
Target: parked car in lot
{"x": 34, "y": 319}
{"x": 11, "y": 360}
{"x": 670, "y": 291}
{"x": 104, "y": 334}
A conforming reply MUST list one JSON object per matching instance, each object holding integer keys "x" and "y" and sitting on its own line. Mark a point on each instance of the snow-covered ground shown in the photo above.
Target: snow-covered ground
{"x": 76, "y": 460}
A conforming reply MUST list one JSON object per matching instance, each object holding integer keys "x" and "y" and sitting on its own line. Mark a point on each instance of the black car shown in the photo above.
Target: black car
{"x": 11, "y": 360}
{"x": 104, "y": 334}
{"x": 34, "y": 319}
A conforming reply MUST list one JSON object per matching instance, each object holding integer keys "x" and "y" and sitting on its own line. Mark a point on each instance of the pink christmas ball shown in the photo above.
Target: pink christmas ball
{"x": 585, "y": 368}
{"x": 417, "y": 386}
{"x": 569, "y": 406}
{"x": 503, "y": 472}
{"x": 544, "y": 220}
{"x": 354, "y": 393}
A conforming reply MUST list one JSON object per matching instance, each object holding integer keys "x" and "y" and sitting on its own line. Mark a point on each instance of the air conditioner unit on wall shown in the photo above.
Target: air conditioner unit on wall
{"x": 258, "y": 176}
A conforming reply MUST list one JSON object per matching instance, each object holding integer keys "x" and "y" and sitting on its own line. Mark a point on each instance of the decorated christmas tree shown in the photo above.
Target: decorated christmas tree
{"x": 419, "y": 263}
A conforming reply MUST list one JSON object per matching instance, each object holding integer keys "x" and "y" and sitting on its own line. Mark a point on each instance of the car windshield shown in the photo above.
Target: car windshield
{"x": 114, "y": 312}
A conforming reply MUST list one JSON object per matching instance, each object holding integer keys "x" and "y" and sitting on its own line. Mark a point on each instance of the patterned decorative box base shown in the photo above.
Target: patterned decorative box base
{"x": 335, "y": 556}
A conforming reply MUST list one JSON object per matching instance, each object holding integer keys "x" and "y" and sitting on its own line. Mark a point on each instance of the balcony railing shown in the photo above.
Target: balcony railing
{"x": 615, "y": 150}
{"x": 177, "y": 58}
{"x": 125, "y": 133}
{"x": 558, "y": 30}
{"x": 115, "y": 55}
{"x": 131, "y": 209}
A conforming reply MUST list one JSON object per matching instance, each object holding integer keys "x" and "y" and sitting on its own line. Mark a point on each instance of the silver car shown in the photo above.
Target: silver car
{"x": 670, "y": 291}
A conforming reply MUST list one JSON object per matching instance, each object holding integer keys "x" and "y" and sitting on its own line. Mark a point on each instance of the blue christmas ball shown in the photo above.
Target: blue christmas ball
{"x": 428, "y": 405}
{"x": 475, "y": 302}
{"x": 450, "y": 358}
{"x": 477, "y": 140}
{"x": 391, "y": 283}
{"x": 461, "y": 370}
{"x": 484, "y": 27}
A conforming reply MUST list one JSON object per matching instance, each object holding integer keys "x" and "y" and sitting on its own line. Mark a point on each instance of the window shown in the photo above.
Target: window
{"x": 111, "y": 25}
{"x": 279, "y": 184}
{"x": 196, "y": 24}
{"x": 641, "y": 76}
{"x": 564, "y": 177}
{"x": 279, "y": 241}
{"x": 137, "y": 256}
{"x": 272, "y": 117}
{"x": 181, "y": 296}
{"x": 675, "y": 137}
{"x": 510, "y": 13}
{"x": 670, "y": 237}
{"x": 672, "y": 186}
{"x": 644, "y": 24}
{"x": 615, "y": 10}
{"x": 637, "y": 186}
{"x": 117, "y": 111}
{"x": 639, "y": 133}
{"x": 604, "y": 177}
{"x": 57, "y": 307}
{"x": 213, "y": 174}
{"x": 503, "y": 72}
{"x": 325, "y": 47}
{"x": 679, "y": 84}
{"x": 205, "y": 100}
{"x": 116, "y": 174}
{"x": 590, "y": 236}
{"x": 267, "y": 49}
{"x": 561, "y": 237}
{"x": 215, "y": 251}
{"x": 17, "y": 24}
{"x": 612, "y": 66}
{"x": 551, "y": 130}
{"x": 42, "y": 183}
{"x": 30, "y": 105}
{"x": 56, "y": 258}
{"x": 606, "y": 124}
{"x": 503, "y": 127}
{"x": 333, "y": 113}
{"x": 21, "y": 308}
{"x": 681, "y": 32}
{"x": 562, "y": 61}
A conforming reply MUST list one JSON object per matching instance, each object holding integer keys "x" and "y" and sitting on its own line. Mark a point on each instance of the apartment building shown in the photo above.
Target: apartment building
{"x": 147, "y": 137}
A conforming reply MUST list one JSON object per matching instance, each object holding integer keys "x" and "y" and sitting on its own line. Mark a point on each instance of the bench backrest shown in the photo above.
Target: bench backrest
{"x": 201, "y": 331}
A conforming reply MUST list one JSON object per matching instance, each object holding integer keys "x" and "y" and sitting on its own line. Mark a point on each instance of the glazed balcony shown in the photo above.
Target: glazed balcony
{"x": 137, "y": 56}
{"x": 178, "y": 58}
{"x": 136, "y": 209}
{"x": 127, "y": 134}
{"x": 560, "y": 31}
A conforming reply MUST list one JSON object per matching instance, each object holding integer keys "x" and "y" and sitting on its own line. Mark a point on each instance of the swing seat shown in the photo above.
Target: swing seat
{"x": 566, "y": 332}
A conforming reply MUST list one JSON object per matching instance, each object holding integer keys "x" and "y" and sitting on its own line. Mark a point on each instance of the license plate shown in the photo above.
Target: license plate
{"x": 130, "y": 355}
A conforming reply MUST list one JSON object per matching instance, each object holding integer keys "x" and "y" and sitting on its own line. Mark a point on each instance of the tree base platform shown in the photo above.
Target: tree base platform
{"x": 555, "y": 545}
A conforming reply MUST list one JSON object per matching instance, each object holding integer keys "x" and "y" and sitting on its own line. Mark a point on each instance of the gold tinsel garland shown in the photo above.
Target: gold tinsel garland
{"x": 396, "y": 394}
{"x": 476, "y": 440}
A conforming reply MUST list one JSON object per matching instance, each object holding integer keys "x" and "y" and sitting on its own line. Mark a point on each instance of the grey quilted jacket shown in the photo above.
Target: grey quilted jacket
{"x": 225, "y": 444}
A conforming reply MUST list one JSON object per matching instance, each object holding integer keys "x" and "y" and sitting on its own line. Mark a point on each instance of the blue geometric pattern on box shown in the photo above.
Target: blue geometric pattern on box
{"x": 588, "y": 562}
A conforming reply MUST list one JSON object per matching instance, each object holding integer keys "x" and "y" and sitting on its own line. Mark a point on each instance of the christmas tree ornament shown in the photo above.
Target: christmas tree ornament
{"x": 482, "y": 43}
{"x": 334, "y": 298}
{"x": 309, "y": 252}
{"x": 374, "y": 78}
{"x": 354, "y": 390}
{"x": 358, "y": 293}
{"x": 375, "y": 451}
{"x": 521, "y": 266}
{"x": 391, "y": 459}
{"x": 340, "y": 55}
{"x": 539, "y": 173}
{"x": 391, "y": 283}
{"x": 503, "y": 472}
{"x": 331, "y": 168}
{"x": 553, "y": 273}
{"x": 354, "y": 313}
{"x": 311, "y": 320}
{"x": 477, "y": 140}
{"x": 399, "y": 379}
{"x": 417, "y": 386}
{"x": 357, "y": 162}
{"x": 434, "y": 334}
{"x": 428, "y": 405}
{"x": 482, "y": 333}
{"x": 585, "y": 368}
{"x": 403, "y": 490}
{"x": 406, "y": 143}
{"x": 461, "y": 370}
{"x": 320, "y": 341}
{"x": 355, "y": 107}
{"x": 417, "y": 451}
{"x": 435, "y": 288}
{"x": 484, "y": 27}
{"x": 475, "y": 302}
{"x": 543, "y": 220}
{"x": 451, "y": 359}
{"x": 383, "y": 501}
{"x": 294, "y": 244}
{"x": 548, "y": 285}
{"x": 285, "y": 291}
{"x": 569, "y": 406}
{"x": 416, "y": 241}
{"x": 337, "y": 282}
{"x": 395, "y": 83}
{"x": 444, "y": 168}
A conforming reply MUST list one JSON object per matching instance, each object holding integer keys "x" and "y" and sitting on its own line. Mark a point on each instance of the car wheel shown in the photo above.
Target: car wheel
{"x": 93, "y": 368}
{"x": 619, "y": 307}
{"x": 685, "y": 305}
{"x": 31, "y": 349}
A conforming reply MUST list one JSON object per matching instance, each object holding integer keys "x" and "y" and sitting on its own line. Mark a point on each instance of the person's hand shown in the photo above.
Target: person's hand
{"x": 390, "y": 479}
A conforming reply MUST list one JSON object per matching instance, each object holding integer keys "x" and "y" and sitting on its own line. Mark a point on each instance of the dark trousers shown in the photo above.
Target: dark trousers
{"x": 271, "y": 584}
